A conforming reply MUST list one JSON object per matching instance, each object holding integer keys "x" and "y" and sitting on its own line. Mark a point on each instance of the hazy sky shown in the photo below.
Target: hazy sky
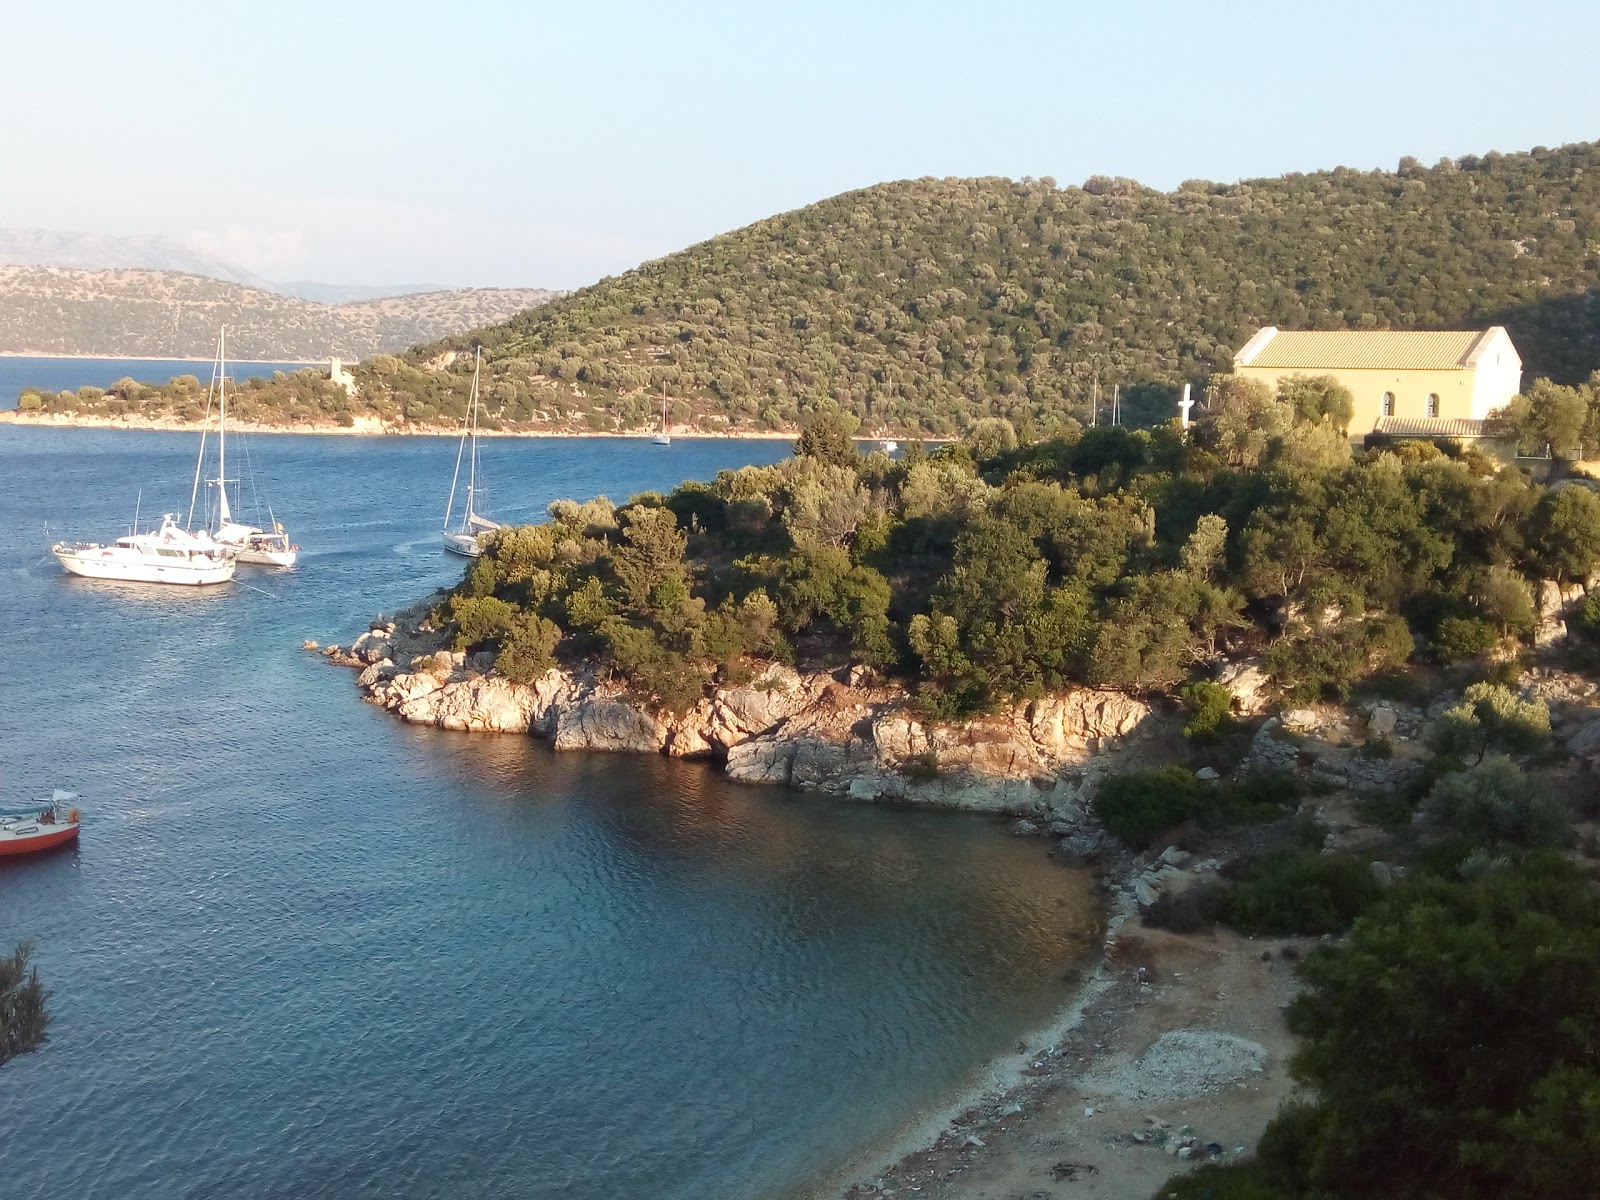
{"x": 520, "y": 143}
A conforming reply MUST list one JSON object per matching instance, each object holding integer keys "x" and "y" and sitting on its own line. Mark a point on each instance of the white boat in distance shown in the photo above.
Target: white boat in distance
{"x": 465, "y": 538}
{"x": 170, "y": 554}
{"x": 249, "y": 543}
{"x": 664, "y": 438}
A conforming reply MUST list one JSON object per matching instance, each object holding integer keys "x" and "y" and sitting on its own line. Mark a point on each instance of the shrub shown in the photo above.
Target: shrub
{"x": 1496, "y": 806}
{"x": 1197, "y": 907}
{"x": 1299, "y": 892}
{"x": 1209, "y": 706}
{"x": 1138, "y": 806}
{"x": 1490, "y": 716}
{"x": 1587, "y": 619}
{"x": 1460, "y": 638}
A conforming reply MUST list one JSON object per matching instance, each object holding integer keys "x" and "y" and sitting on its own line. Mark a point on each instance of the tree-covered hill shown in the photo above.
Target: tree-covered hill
{"x": 927, "y": 303}
{"x": 922, "y": 306}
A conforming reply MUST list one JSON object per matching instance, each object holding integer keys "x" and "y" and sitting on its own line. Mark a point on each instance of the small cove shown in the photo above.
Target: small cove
{"x": 305, "y": 950}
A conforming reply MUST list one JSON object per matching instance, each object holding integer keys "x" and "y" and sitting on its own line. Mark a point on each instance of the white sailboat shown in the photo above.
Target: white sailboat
{"x": 464, "y": 539}
{"x": 664, "y": 438}
{"x": 169, "y": 554}
{"x": 249, "y": 543}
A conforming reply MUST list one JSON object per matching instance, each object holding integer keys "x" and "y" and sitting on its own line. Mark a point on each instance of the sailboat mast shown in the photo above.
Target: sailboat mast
{"x": 472, "y": 469}
{"x": 222, "y": 427}
{"x": 205, "y": 429}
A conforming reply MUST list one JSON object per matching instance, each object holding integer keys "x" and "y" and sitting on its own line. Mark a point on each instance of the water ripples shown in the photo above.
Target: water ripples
{"x": 305, "y": 951}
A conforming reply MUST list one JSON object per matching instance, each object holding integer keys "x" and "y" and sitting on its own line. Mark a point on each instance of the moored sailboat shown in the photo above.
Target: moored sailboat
{"x": 664, "y": 438}
{"x": 249, "y": 543}
{"x": 464, "y": 538}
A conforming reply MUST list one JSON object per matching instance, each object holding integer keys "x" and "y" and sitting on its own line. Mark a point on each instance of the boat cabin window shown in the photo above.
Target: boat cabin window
{"x": 165, "y": 553}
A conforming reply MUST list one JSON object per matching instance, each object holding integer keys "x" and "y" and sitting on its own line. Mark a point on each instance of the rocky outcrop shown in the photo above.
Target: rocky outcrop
{"x": 810, "y": 731}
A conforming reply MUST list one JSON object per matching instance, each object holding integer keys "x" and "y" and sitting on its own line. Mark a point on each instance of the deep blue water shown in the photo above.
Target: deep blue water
{"x": 71, "y": 374}
{"x": 304, "y": 950}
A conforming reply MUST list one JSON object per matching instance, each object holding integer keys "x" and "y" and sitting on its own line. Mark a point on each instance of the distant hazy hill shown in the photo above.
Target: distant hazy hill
{"x": 343, "y": 293}
{"x": 929, "y": 302}
{"x": 99, "y": 251}
{"x": 158, "y": 314}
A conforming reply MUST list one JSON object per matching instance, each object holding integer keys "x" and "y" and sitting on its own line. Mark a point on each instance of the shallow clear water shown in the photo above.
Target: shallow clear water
{"x": 304, "y": 950}
{"x": 57, "y": 374}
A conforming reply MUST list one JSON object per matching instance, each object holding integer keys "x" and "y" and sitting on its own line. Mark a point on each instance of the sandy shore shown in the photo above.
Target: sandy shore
{"x": 1098, "y": 1104}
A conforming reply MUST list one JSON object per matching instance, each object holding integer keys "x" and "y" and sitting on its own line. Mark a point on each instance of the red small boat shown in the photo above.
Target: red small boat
{"x": 51, "y": 823}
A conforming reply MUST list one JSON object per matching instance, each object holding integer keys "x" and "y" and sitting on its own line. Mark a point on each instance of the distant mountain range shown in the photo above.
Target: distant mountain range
{"x": 90, "y": 293}
{"x": 98, "y": 251}
{"x": 174, "y": 314}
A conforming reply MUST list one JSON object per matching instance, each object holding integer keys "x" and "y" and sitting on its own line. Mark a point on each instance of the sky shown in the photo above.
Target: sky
{"x": 521, "y": 143}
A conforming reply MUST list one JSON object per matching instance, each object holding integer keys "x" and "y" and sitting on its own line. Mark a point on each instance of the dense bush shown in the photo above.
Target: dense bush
{"x": 1496, "y": 806}
{"x": 1138, "y": 806}
{"x": 1300, "y": 892}
{"x": 1450, "y": 1045}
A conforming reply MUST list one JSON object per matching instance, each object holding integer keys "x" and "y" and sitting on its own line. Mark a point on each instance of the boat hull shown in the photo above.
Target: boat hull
{"x": 106, "y": 563}
{"x": 269, "y": 558}
{"x": 463, "y": 544}
{"x": 30, "y": 839}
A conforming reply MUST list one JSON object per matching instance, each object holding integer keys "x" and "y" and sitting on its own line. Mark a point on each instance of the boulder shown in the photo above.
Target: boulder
{"x": 1301, "y": 720}
{"x": 1382, "y": 721}
{"x": 1249, "y": 684}
{"x": 1585, "y": 742}
{"x": 1207, "y": 775}
{"x": 486, "y": 704}
{"x": 1022, "y": 827}
{"x": 1079, "y": 849}
{"x": 1074, "y": 726}
{"x": 761, "y": 760}
{"x": 377, "y": 673}
{"x": 599, "y": 723}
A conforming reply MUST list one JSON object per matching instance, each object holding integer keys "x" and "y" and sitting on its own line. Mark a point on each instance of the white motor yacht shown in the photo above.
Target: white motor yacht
{"x": 170, "y": 554}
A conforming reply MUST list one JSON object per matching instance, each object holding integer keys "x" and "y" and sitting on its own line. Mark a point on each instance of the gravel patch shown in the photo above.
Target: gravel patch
{"x": 1180, "y": 1064}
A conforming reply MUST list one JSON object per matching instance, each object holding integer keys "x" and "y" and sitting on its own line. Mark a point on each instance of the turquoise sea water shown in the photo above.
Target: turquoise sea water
{"x": 304, "y": 950}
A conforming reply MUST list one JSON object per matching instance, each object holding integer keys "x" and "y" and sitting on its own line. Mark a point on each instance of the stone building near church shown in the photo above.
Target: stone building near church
{"x": 1410, "y": 384}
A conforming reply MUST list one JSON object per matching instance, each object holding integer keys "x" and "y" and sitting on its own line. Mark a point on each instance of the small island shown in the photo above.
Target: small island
{"x": 1270, "y": 688}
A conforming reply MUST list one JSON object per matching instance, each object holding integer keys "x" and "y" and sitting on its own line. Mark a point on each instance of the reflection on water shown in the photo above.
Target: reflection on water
{"x": 303, "y": 950}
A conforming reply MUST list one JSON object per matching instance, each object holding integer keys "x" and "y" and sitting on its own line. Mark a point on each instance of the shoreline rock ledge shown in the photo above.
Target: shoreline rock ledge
{"x": 835, "y": 733}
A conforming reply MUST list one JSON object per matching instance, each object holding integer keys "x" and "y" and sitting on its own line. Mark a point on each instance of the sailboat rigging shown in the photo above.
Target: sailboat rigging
{"x": 249, "y": 543}
{"x": 664, "y": 438}
{"x": 464, "y": 539}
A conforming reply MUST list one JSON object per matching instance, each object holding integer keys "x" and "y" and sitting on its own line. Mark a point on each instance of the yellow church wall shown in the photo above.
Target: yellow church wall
{"x": 1410, "y": 388}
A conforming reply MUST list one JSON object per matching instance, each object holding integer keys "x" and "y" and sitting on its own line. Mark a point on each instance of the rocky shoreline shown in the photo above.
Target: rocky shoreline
{"x": 840, "y": 733}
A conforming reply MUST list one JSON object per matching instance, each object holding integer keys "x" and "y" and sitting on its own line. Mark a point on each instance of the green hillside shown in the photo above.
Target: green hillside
{"x": 927, "y": 303}
{"x": 923, "y": 305}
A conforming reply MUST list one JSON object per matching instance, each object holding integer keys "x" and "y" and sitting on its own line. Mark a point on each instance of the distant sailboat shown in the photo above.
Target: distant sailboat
{"x": 664, "y": 438}
{"x": 250, "y": 544}
{"x": 464, "y": 538}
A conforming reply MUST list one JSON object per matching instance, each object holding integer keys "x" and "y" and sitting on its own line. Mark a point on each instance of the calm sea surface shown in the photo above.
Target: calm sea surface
{"x": 56, "y": 374}
{"x": 304, "y": 950}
